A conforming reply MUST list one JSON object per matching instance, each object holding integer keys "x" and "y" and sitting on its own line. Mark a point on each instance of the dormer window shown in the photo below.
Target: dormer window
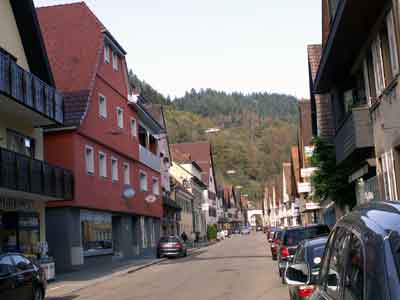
{"x": 106, "y": 54}
{"x": 115, "y": 61}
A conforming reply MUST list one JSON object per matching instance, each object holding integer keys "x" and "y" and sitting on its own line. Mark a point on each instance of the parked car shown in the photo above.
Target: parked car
{"x": 291, "y": 238}
{"x": 270, "y": 233}
{"x": 245, "y": 230}
{"x": 236, "y": 231}
{"x": 171, "y": 246}
{"x": 259, "y": 228}
{"x": 362, "y": 257}
{"x": 310, "y": 253}
{"x": 20, "y": 278}
{"x": 276, "y": 240}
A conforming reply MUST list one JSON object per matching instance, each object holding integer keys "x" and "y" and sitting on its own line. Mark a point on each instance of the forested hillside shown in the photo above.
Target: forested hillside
{"x": 256, "y": 131}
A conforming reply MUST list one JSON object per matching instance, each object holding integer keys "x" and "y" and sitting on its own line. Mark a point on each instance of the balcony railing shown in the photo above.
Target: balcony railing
{"x": 149, "y": 159}
{"x": 29, "y": 90}
{"x": 354, "y": 134}
{"x": 21, "y": 173}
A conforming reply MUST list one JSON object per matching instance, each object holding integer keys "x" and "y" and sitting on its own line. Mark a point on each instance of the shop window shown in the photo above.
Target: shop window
{"x": 89, "y": 159}
{"x": 143, "y": 181}
{"x": 102, "y": 165}
{"x": 102, "y": 106}
{"x": 156, "y": 186}
{"x": 127, "y": 176}
{"x": 114, "y": 169}
{"x": 20, "y": 143}
{"x": 96, "y": 232}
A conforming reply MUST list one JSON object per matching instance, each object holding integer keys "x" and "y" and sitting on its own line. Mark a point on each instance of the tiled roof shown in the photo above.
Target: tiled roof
{"x": 73, "y": 38}
{"x": 199, "y": 152}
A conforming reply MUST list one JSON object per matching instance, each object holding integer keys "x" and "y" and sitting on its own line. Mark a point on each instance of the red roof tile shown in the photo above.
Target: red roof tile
{"x": 73, "y": 38}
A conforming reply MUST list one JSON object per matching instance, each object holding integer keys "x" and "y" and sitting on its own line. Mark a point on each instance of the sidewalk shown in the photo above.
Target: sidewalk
{"x": 66, "y": 284}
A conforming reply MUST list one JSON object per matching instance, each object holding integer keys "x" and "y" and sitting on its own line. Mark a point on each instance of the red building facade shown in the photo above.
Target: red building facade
{"x": 109, "y": 142}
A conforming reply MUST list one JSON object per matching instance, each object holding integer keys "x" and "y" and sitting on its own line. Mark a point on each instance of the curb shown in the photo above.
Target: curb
{"x": 133, "y": 270}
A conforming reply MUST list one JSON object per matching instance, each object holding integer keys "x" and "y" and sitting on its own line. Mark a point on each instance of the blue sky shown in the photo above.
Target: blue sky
{"x": 230, "y": 45}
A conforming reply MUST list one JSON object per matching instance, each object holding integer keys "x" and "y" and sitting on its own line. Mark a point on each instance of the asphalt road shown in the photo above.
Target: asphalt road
{"x": 238, "y": 268}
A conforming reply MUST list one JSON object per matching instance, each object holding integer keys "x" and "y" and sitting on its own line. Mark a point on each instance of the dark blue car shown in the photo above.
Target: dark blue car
{"x": 362, "y": 257}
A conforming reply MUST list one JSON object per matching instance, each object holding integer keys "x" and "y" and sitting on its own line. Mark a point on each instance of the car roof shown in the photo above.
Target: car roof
{"x": 304, "y": 227}
{"x": 379, "y": 216}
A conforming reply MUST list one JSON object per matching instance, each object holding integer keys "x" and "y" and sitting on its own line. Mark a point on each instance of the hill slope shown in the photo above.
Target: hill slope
{"x": 257, "y": 131}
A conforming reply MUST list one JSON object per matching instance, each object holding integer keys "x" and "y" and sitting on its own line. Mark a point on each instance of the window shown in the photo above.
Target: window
{"x": 106, "y": 54}
{"x": 21, "y": 263}
{"x": 114, "y": 169}
{"x": 394, "y": 59}
{"x": 102, "y": 106}
{"x": 333, "y": 267}
{"x": 20, "y": 143}
{"x": 299, "y": 257}
{"x": 354, "y": 271}
{"x": 143, "y": 182}
{"x": 133, "y": 127}
{"x": 96, "y": 232}
{"x": 115, "y": 61}
{"x": 6, "y": 265}
{"x": 127, "y": 176}
{"x": 89, "y": 158}
{"x": 102, "y": 165}
{"x": 156, "y": 187}
{"x": 120, "y": 117}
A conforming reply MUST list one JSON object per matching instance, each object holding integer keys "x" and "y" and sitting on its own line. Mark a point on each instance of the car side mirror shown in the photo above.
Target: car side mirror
{"x": 298, "y": 274}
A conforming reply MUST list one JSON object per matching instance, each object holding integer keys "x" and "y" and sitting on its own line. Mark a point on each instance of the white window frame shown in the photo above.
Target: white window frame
{"x": 379, "y": 72}
{"x": 120, "y": 117}
{"x": 102, "y": 106}
{"x": 143, "y": 188}
{"x": 102, "y": 164}
{"x": 127, "y": 174}
{"x": 133, "y": 128}
{"x": 114, "y": 169}
{"x": 89, "y": 161}
{"x": 115, "y": 61}
{"x": 106, "y": 54}
{"x": 155, "y": 186}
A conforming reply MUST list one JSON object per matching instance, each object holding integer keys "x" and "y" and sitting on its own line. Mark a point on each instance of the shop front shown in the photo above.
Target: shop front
{"x": 22, "y": 230}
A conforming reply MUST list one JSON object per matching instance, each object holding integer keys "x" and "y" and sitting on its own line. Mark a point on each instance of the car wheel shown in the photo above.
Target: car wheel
{"x": 185, "y": 253}
{"x": 274, "y": 257}
{"x": 158, "y": 255}
{"x": 38, "y": 294}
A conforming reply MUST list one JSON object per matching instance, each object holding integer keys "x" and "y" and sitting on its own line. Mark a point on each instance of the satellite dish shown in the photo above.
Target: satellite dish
{"x": 128, "y": 192}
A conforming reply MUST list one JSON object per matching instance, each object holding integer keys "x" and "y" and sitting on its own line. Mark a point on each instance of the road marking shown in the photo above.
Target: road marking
{"x": 55, "y": 288}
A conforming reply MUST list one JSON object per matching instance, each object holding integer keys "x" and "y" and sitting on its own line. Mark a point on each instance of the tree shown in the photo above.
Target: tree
{"x": 330, "y": 181}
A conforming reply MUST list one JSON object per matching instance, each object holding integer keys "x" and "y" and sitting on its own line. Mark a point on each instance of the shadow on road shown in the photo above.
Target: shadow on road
{"x": 69, "y": 297}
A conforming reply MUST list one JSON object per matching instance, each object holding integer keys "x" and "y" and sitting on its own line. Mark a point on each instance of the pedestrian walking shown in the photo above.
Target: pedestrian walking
{"x": 184, "y": 236}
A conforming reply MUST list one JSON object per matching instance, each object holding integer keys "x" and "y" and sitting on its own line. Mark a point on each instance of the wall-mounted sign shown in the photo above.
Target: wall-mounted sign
{"x": 304, "y": 187}
{"x": 312, "y": 206}
{"x": 151, "y": 199}
{"x": 11, "y": 204}
{"x": 307, "y": 172}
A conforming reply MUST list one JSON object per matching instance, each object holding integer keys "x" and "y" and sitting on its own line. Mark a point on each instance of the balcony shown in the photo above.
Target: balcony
{"x": 28, "y": 94}
{"x": 33, "y": 179}
{"x": 354, "y": 139}
{"x": 349, "y": 31}
{"x": 149, "y": 159}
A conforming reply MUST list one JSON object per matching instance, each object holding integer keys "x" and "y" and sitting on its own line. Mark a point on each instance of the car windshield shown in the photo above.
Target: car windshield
{"x": 295, "y": 236}
{"x": 314, "y": 256}
{"x": 168, "y": 239}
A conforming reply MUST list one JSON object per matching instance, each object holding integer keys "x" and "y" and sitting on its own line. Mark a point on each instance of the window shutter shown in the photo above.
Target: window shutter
{"x": 394, "y": 59}
{"x": 378, "y": 65}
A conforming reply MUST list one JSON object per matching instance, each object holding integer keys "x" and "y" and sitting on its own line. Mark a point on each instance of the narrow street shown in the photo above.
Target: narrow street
{"x": 237, "y": 268}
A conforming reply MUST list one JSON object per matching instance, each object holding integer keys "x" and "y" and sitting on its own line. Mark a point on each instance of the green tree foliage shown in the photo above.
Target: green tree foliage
{"x": 257, "y": 131}
{"x": 330, "y": 180}
{"x": 212, "y": 232}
